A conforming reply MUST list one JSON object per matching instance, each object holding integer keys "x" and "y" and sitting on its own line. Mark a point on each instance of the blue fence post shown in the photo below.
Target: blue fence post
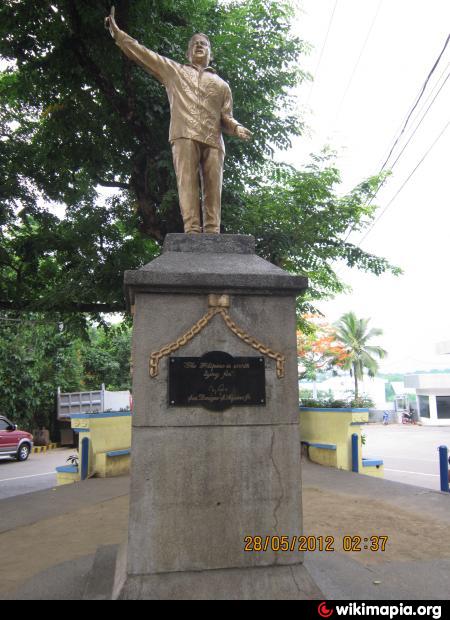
{"x": 443, "y": 466}
{"x": 355, "y": 453}
{"x": 84, "y": 458}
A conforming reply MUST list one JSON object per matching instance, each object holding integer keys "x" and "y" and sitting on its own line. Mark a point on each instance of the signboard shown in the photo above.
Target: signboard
{"x": 217, "y": 381}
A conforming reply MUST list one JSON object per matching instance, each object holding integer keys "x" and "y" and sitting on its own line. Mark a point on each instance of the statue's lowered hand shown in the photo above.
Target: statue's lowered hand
{"x": 243, "y": 133}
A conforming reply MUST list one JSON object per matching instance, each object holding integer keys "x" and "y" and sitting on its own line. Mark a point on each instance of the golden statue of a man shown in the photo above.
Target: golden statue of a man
{"x": 201, "y": 109}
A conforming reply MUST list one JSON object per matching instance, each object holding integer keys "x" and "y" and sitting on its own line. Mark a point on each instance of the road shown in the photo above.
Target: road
{"x": 35, "y": 474}
{"x": 410, "y": 455}
{"x": 409, "y": 452}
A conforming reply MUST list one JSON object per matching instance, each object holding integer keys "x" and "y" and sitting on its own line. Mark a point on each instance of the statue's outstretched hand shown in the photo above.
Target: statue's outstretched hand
{"x": 243, "y": 133}
{"x": 110, "y": 23}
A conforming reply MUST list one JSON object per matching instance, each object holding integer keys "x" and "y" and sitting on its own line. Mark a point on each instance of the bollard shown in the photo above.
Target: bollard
{"x": 84, "y": 458}
{"x": 443, "y": 462}
{"x": 355, "y": 453}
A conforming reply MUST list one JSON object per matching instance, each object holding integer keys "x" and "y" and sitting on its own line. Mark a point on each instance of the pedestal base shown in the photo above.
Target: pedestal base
{"x": 269, "y": 583}
{"x": 202, "y": 480}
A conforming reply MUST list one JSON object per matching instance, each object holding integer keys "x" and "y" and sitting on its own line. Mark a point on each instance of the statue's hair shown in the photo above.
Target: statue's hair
{"x": 201, "y": 34}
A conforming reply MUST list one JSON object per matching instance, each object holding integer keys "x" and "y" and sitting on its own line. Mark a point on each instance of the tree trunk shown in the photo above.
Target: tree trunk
{"x": 356, "y": 381}
{"x": 150, "y": 224}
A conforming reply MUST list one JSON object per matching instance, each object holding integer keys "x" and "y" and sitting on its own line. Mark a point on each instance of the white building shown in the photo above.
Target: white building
{"x": 433, "y": 397}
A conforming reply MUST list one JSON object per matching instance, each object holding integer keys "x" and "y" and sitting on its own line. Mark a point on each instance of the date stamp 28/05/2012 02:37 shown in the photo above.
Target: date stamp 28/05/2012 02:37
{"x": 354, "y": 543}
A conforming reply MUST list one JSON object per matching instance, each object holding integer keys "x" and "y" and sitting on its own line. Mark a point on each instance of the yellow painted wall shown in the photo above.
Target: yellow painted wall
{"x": 333, "y": 426}
{"x": 107, "y": 432}
{"x": 108, "y": 467}
{"x": 323, "y": 457}
{"x": 376, "y": 472}
{"x": 66, "y": 478}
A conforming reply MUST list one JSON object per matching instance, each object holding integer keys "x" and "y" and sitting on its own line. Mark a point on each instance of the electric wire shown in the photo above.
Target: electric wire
{"x": 355, "y": 68}
{"x": 404, "y": 183}
{"x": 431, "y": 93}
{"x": 416, "y": 102}
{"x": 323, "y": 49}
{"x": 383, "y": 167}
{"x": 405, "y": 124}
{"x": 420, "y": 122}
{"x": 375, "y": 222}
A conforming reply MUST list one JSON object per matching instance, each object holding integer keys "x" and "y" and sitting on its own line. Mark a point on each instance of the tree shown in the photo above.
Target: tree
{"x": 76, "y": 116}
{"x": 353, "y": 334}
{"x": 36, "y": 355}
{"x": 106, "y": 358}
{"x": 301, "y": 223}
{"x": 318, "y": 349}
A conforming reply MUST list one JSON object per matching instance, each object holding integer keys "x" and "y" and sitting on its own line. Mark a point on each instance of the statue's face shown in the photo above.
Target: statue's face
{"x": 199, "y": 52}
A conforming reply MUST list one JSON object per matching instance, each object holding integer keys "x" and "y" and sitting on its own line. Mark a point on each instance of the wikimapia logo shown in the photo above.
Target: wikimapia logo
{"x": 391, "y": 611}
{"x": 324, "y": 612}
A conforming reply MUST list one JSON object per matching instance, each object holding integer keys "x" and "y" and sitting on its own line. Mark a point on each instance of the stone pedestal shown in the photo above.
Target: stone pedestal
{"x": 203, "y": 481}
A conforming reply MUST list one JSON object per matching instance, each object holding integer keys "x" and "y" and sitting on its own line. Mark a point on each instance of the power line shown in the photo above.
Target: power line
{"x": 431, "y": 93}
{"x": 420, "y": 122}
{"x": 404, "y": 183}
{"x": 372, "y": 197}
{"x": 408, "y": 118}
{"x": 416, "y": 103}
{"x": 369, "y": 32}
{"x": 323, "y": 48}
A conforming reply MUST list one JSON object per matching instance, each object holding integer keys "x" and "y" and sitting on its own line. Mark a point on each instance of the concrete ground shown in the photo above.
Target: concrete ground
{"x": 35, "y": 474}
{"x": 49, "y": 538}
{"x": 409, "y": 452}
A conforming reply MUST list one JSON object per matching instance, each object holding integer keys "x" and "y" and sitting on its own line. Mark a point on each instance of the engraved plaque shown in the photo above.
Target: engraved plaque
{"x": 217, "y": 381}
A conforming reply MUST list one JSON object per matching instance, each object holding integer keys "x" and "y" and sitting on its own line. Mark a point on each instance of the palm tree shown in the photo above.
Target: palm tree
{"x": 353, "y": 334}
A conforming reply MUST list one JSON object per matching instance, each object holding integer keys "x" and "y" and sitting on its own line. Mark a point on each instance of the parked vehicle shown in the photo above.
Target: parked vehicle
{"x": 95, "y": 401}
{"x": 14, "y": 443}
{"x": 408, "y": 417}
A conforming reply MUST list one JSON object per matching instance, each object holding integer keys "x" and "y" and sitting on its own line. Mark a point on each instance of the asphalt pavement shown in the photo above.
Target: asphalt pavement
{"x": 409, "y": 451}
{"x": 36, "y": 474}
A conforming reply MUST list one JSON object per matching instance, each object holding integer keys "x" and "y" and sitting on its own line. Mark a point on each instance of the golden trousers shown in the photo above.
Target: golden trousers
{"x": 193, "y": 161}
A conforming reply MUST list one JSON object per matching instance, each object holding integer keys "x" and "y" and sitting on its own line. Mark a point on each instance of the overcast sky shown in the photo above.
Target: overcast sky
{"x": 369, "y": 70}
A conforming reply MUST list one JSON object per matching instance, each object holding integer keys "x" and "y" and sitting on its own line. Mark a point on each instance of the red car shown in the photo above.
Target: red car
{"x": 17, "y": 444}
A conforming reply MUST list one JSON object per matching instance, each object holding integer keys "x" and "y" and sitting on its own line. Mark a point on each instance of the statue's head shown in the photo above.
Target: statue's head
{"x": 199, "y": 50}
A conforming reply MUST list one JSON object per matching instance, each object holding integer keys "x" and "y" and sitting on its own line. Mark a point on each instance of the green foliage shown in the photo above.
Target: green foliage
{"x": 74, "y": 460}
{"x": 362, "y": 402}
{"x": 324, "y": 403}
{"x": 307, "y": 395}
{"x": 39, "y": 353}
{"x": 77, "y": 115}
{"x": 35, "y": 357}
{"x": 318, "y": 350}
{"x": 88, "y": 115}
{"x": 389, "y": 393}
{"x": 330, "y": 403}
{"x": 300, "y": 223}
{"x": 354, "y": 335}
{"x": 106, "y": 358}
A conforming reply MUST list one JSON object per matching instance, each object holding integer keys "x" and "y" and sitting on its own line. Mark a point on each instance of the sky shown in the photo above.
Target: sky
{"x": 370, "y": 60}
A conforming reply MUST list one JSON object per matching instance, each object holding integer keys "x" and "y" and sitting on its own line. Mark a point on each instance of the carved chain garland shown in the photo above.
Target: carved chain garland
{"x": 218, "y": 304}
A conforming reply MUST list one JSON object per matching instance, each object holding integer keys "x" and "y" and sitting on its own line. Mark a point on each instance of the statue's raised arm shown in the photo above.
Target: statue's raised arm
{"x": 110, "y": 23}
{"x": 201, "y": 108}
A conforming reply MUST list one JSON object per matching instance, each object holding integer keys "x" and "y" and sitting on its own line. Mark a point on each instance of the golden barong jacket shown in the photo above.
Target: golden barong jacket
{"x": 201, "y": 103}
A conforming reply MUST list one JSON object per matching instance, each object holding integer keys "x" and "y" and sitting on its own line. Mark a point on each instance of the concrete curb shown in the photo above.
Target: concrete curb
{"x": 51, "y": 446}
